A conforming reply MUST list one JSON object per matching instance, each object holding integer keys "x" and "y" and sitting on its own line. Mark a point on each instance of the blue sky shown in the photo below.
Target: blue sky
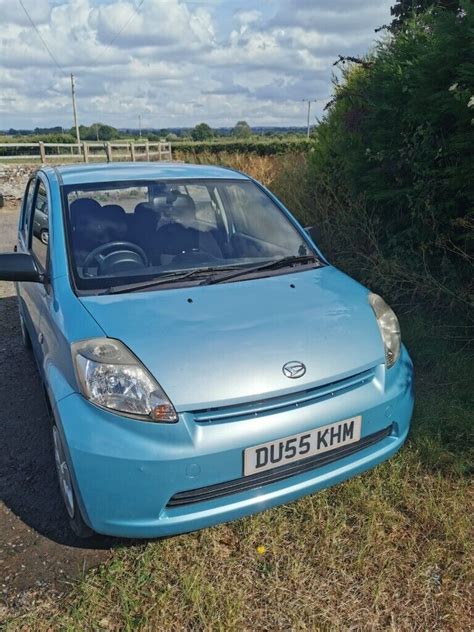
{"x": 176, "y": 62}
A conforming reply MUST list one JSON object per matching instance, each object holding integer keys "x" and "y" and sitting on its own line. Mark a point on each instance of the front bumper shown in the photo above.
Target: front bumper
{"x": 127, "y": 471}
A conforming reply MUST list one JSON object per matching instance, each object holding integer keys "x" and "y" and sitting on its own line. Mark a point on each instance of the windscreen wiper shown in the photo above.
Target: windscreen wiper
{"x": 162, "y": 279}
{"x": 269, "y": 265}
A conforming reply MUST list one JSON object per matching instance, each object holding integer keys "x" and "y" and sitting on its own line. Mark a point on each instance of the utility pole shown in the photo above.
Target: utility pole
{"x": 73, "y": 92}
{"x": 140, "y": 125}
{"x": 309, "y": 101}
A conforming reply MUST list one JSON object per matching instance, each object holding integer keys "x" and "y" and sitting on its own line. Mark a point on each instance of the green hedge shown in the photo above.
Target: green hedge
{"x": 392, "y": 167}
{"x": 259, "y": 147}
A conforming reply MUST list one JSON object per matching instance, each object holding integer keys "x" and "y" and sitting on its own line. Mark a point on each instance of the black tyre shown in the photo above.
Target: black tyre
{"x": 25, "y": 336}
{"x": 66, "y": 486}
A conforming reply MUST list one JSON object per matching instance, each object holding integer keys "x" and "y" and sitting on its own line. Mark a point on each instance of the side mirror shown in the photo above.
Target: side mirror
{"x": 19, "y": 266}
{"x": 311, "y": 230}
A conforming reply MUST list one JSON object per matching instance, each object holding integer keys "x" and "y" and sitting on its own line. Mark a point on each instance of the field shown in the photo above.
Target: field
{"x": 391, "y": 549}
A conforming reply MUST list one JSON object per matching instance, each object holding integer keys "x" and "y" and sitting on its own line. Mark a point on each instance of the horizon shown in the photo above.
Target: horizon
{"x": 226, "y": 128}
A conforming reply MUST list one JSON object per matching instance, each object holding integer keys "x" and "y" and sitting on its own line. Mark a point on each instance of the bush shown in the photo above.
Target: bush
{"x": 260, "y": 147}
{"x": 392, "y": 163}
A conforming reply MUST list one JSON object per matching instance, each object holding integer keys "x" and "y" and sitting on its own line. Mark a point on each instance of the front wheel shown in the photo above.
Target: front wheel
{"x": 66, "y": 487}
{"x": 25, "y": 336}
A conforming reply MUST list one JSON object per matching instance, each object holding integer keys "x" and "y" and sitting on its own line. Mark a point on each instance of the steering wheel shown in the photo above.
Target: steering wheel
{"x": 107, "y": 260}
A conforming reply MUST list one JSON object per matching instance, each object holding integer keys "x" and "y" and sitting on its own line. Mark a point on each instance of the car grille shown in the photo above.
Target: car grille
{"x": 255, "y": 481}
{"x": 285, "y": 402}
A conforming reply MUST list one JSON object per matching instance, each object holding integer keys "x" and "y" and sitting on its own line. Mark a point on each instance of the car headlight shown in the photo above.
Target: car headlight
{"x": 110, "y": 376}
{"x": 389, "y": 328}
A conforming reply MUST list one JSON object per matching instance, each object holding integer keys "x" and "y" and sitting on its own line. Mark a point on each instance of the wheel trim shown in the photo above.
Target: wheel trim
{"x": 64, "y": 475}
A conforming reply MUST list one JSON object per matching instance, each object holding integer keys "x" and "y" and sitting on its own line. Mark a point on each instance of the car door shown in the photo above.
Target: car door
{"x": 33, "y": 295}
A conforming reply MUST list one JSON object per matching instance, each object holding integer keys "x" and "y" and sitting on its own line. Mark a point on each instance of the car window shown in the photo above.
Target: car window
{"x": 40, "y": 228}
{"x": 26, "y": 209}
{"x": 205, "y": 206}
{"x": 126, "y": 198}
{"x": 256, "y": 216}
{"x": 174, "y": 226}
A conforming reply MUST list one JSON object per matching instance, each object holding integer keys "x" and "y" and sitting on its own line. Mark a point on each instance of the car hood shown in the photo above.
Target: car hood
{"x": 223, "y": 344}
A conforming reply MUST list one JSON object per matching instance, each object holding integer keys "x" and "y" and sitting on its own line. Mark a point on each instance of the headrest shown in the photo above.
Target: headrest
{"x": 144, "y": 208}
{"x": 113, "y": 211}
{"x": 184, "y": 205}
{"x": 82, "y": 207}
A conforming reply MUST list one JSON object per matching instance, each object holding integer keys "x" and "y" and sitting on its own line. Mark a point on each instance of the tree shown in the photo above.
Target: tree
{"x": 242, "y": 130}
{"x": 402, "y": 10}
{"x": 97, "y": 131}
{"x": 106, "y": 132}
{"x": 202, "y": 132}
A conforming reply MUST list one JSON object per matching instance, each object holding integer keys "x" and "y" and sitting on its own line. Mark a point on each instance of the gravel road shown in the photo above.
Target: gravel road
{"x": 38, "y": 553}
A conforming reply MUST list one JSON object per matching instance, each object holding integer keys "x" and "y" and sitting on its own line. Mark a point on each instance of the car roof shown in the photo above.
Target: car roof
{"x": 119, "y": 172}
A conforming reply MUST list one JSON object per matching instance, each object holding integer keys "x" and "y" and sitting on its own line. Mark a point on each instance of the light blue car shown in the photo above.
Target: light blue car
{"x": 201, "y": 359}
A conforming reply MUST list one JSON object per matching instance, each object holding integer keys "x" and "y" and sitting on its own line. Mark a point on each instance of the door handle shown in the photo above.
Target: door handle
{"x": 40, "y": 338}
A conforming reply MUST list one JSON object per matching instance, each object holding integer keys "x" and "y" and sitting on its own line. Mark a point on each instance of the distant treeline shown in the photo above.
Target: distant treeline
{"x": 101, "y": 132}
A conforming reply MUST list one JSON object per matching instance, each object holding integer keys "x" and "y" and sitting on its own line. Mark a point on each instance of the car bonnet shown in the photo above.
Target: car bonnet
{"x": 218, "y": 345}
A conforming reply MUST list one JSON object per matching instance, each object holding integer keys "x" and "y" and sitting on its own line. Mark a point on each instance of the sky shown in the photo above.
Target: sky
{"x": 176, "y": 63}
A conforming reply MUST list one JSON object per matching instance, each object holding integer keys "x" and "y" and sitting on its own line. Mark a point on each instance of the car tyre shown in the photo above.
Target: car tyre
{"x": 25, "y": 336}
{"x": 66, "y": 486}
{"x": 44, "y": 236}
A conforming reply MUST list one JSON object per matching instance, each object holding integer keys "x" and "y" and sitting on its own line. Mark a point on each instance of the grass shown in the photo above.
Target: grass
{"x": 387, "y": 550}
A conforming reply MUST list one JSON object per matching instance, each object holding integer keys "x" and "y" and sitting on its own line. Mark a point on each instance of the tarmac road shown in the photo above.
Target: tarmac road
{"x": 38, "y": 553}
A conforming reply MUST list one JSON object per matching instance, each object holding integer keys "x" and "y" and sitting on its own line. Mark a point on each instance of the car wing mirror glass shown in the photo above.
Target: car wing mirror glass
{"x": 19, "y": 266}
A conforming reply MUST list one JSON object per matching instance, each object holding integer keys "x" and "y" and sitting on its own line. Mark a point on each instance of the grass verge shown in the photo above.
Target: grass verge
{"x": 387, "y": 550}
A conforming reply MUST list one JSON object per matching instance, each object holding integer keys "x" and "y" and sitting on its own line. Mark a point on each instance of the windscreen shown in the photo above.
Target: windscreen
{"x": 119, "y": 233}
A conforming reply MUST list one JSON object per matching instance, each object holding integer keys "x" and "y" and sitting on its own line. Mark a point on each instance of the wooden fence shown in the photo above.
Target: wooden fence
{"x": 86, "y": 151}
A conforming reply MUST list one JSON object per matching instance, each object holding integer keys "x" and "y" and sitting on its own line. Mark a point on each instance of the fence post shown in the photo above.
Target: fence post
{"x": 42, "y": 152}
{"x": 147, "y": 151}
{"x": 108, "y": 151}
{"x": 132, "y": 151}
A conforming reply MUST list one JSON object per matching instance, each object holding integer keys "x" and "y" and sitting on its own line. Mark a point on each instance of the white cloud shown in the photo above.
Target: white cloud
{"x": 159, "y": 23}
{"x": 176, "y": 63}
{"x": 247, "y": 17}
{"x": 12, "y": 12}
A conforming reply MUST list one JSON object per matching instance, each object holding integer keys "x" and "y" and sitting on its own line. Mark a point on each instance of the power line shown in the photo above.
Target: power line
{"x": 125, "y": 24}
{"x": 58, "y": 65}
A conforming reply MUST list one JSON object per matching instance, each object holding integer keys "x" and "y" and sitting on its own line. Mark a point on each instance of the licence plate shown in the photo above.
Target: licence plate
{"x": 301, "y": 446}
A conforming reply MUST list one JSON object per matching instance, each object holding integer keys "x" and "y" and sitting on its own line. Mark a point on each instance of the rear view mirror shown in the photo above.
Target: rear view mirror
{"x": 18, "y": 266}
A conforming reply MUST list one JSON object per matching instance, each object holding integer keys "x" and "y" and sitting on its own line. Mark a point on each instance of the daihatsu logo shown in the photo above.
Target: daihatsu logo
{"x": 294, "y": 369}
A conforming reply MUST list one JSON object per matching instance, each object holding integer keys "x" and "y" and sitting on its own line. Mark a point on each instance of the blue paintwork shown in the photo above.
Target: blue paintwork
{"x": 122, "y": 171}
{"x": 242, "y": 329}
{"x": 226, "y": 347}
